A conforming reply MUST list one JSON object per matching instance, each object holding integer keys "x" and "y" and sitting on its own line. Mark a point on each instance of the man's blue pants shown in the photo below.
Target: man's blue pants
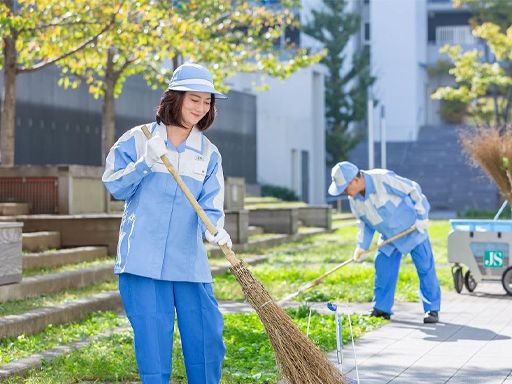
{"x": 150, "y": 305}
{"x": 386, "y": 276}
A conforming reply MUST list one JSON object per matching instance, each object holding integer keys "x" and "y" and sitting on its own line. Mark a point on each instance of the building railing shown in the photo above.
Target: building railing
{"x": 457, "y": 34}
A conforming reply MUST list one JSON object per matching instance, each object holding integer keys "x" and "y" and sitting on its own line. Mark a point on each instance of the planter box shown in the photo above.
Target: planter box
{"x": 50, "y": 189}
{"x": 10, "y": 252}
{"x": 316, "y": 216}
{"x": 77, "y": 230}
{"x": 275, "y": 220}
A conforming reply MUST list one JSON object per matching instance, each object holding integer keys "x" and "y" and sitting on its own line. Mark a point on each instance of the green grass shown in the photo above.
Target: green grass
{"x": 285, "y": 271}
{"x": 249, "y": 357}
{"x": 14, "y": 348}
{"x": 18, "y": 306}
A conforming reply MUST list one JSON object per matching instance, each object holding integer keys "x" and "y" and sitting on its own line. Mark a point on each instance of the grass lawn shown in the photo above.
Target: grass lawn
{"x": 286, "y": 270}
{"x": 249, "y": 357}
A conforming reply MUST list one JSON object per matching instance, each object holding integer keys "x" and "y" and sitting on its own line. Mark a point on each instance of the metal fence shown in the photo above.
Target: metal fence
{"x": 40, "y": 192}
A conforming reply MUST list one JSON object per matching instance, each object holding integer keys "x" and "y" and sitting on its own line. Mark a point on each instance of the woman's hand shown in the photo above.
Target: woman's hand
{"x": 155, "y": 148}
{"x": 221, "y": 238}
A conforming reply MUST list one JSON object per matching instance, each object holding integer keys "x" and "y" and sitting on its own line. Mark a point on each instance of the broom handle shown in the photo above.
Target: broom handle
{"x": 230, "y": 255}
{"x": 319, "y": 279}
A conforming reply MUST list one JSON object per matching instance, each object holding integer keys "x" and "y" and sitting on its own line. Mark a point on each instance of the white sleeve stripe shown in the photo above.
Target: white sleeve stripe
{"x": 109, "y": 176}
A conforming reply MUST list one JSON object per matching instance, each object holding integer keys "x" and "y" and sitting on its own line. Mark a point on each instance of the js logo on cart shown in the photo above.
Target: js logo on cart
{"x": 493, "y": 259}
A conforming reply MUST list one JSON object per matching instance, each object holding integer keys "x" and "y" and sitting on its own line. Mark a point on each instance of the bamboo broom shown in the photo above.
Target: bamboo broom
{"x": 492, "y": 150}
{"x": 321, "y": 278}
{"x": 299, "y": 360}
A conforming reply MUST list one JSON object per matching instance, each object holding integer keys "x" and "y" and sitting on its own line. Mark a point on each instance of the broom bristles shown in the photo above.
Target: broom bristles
{"x": 487, "y": 147}
{"x": 299, "y": 360}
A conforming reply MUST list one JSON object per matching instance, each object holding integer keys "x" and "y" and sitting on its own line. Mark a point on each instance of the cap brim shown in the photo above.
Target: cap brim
{"x": 335, "y": 190}
{"x": 198, "y": 88}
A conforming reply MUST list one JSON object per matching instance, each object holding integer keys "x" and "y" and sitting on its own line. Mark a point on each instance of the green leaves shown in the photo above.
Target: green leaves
{"x": 483, "y": 81}
{"x": 228, "y": 36}
{"x": 47, "y": 29}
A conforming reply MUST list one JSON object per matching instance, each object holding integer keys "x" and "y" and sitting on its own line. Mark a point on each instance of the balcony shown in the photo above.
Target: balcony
{"x": 452, "y": 35}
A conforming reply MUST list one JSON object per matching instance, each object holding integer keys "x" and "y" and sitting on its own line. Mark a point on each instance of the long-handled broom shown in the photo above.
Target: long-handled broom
{"x": 318, "y": 280}
{"x": 299, "y": 360}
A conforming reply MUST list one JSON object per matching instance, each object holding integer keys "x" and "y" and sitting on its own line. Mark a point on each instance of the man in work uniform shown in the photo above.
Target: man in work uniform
{"x": 384, "y": 202}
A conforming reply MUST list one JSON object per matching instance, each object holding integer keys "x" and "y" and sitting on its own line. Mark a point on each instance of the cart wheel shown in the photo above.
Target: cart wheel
{"x": 458, "y": 281}
{"x": 506, "y": 280}
{"x": 469, "y": 281}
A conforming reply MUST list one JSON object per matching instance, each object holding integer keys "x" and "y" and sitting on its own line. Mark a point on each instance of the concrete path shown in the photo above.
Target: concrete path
{"x": 471, "y": 344}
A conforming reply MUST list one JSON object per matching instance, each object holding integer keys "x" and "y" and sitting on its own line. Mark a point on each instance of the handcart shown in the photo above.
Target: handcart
{"x": 483, "y": 246}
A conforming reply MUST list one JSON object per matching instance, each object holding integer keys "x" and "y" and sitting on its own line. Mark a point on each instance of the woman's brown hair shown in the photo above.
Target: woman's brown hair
{"x": 168, "y": 111}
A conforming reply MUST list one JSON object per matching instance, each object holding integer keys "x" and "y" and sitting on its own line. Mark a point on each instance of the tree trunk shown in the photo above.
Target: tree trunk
{"x": 108, "y": 109}
{"x": 8, "y": 102}
{"x": 508, "y": 101}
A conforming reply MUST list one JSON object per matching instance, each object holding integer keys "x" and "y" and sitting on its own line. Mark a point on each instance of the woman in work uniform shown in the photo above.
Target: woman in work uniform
{"x": 161, "y": 260}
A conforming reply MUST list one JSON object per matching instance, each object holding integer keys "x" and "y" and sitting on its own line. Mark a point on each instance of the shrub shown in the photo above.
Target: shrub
{"x": 282, "y": 193}
{"x": 453, "y": 111}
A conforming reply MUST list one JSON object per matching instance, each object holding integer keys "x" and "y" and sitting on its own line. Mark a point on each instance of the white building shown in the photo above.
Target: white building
{"x": 290, "y": 131}
{"x": 405, "y": 39}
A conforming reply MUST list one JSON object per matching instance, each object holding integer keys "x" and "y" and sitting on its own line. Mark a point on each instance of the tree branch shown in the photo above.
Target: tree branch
{"x": 73, "y": 51}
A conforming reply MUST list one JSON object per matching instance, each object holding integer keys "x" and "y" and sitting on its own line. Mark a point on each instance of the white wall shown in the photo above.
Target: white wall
{"x": 398, "y": 50}
{"x": 291, "y": 116}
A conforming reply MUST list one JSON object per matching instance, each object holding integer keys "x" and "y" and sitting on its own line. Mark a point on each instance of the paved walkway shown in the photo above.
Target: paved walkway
{"x": 471, "y": 344}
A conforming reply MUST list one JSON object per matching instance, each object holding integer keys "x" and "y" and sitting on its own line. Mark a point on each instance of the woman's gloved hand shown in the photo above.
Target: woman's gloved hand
{"x": 221, "y": 238}
{"x": 155, "y": 147}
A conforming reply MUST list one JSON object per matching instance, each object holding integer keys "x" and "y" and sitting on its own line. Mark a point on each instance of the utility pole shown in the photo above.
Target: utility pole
{"x": 383, "y": 154}
{"x": 371, "y": 138}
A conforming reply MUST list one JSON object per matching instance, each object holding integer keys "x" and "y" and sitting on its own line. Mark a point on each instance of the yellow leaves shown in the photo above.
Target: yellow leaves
{"x": 479, "y": 77}
{"x": 500, "y": 43}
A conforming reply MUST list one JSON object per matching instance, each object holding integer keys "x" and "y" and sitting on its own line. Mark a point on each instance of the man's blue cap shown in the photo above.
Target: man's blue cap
{"x": 342, "y": 174}
{"x": 195, "y": 78}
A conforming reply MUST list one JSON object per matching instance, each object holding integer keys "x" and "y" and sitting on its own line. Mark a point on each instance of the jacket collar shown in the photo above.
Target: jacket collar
{"x": 194, "y": 140}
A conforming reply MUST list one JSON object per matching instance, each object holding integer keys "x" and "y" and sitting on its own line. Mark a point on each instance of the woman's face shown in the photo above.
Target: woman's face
{"x": 195, "y": 106}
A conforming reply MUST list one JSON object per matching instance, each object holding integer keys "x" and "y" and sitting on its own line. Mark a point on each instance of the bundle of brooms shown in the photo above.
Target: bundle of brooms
{"x": 491, "y": 149}
{"x": 299, "y": 360}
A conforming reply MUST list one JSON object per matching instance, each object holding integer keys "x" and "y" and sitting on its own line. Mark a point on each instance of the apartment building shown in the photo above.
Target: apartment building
{"x": 405, "y": 37}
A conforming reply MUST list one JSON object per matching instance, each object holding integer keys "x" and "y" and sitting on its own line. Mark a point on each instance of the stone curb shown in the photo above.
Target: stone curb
{"x": 36, "y": 320}
{"x": 62, "y": 257}
{"x": 56, "y": 282}
{"x": 34, "y": 241}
